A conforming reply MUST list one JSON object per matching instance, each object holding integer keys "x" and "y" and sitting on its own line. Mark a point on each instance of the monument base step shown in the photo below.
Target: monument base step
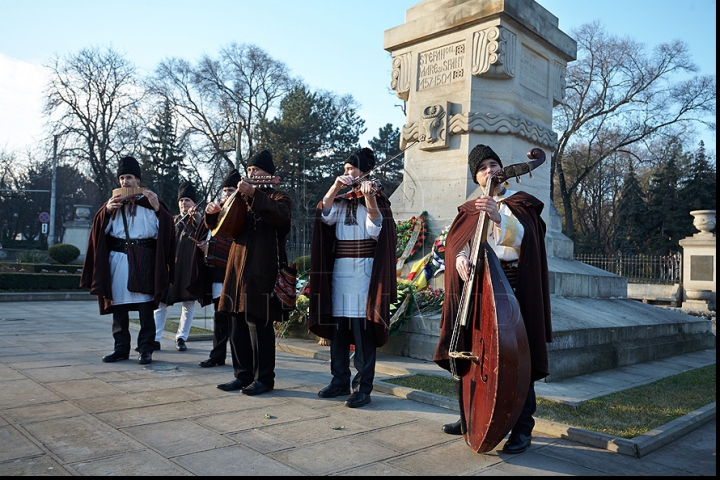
{"x": 589, "y": 335}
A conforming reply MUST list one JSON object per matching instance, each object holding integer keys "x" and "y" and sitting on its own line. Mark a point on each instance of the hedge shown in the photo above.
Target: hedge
{"x": 38, "y": 281}
{"x": 39, "y": 267}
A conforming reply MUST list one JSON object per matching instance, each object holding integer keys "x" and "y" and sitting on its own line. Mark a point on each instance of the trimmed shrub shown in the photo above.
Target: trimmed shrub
{"x": 302, "y": 264}
{"x": 64, "y": 253}
{"x": 32, "y": 257}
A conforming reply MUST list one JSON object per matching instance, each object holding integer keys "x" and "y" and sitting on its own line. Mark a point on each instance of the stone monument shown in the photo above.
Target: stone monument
{"x": 77, "y": 231}
{"x": 699, "y": 260}
{"x": 484, "y": 71}
{"x": 491, "y": 71}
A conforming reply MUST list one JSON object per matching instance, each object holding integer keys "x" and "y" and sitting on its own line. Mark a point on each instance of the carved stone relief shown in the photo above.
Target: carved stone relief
{"x": 441, "y": 66}
{"x": 559, "y": 83}
{"x": 401, "y": 76}
{"x": 494, "y": 52}
{"x": 476, "y": 122}
{"x": 431, "y": 131}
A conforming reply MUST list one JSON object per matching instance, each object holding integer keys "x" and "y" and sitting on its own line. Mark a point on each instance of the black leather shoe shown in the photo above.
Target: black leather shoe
{"x": 256, "y": 388}
{"x": 332, "y": 391}
{"x": 234, "y": 385}
{"x": 180, "y": 345}
{"x": 211, "y": 363}
{"x": 115, "y": 357}
{"x": 453, "y": 428}
{"x": 357, "y": 399}
{"x": 517, "y": 443}
{"x": 156, "y": 347}
{"x": 145, "y": 358}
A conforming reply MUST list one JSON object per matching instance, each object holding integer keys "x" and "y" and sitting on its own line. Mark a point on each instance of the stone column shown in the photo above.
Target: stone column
{"x": 699, "y": 260}
{"x": 478, "y": 71}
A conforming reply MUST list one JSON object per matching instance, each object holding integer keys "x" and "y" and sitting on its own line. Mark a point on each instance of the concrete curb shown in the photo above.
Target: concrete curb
{"x": 635, "y": 447}
{"x": 45, "y": 296}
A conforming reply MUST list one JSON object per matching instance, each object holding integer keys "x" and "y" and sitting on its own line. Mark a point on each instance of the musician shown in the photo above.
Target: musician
{"x": 250, "y": 279}
{"x": 352, "y": 278}
{"x": 207, "y": 281}
{"x": 105, "y": 271}
{"x": 518, "y": 238}
{"x": 186, "y": 224}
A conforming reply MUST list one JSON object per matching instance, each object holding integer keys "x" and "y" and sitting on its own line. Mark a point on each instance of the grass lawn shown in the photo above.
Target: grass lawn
{"x": 624, "y": 414}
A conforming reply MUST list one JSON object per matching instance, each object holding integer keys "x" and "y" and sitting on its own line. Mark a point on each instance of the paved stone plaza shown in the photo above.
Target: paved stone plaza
{"x": 64, "y": 412}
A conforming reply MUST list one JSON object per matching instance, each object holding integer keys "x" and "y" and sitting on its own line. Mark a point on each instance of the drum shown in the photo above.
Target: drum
{"x": 217, "y": 250}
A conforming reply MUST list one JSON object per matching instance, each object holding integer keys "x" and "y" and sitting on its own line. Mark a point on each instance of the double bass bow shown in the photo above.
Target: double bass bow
{"x": 494, "y": 376}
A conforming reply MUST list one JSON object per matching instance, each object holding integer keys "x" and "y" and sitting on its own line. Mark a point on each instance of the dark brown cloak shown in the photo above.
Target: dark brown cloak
{"x": 533, "y": 291}
{"x": 382, "y": 291}
{"x": 96, "y": 269}
{"x": 253, "y": 259}
{"x": 185, "y": 249}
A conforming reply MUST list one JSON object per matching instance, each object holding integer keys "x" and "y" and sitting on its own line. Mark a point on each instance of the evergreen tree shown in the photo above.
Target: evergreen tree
{"x": 697, "y": 191}
{"x": 386, "y": 145}
{"x": 162, "y": 158}
{"x": 631, "y": 232}
{"x": 312, "y": 134}
{"x": 666, "y": 213}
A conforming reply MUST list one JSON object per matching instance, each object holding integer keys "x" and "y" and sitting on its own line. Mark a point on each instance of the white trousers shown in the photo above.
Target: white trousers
{"x": 186, "y": 318}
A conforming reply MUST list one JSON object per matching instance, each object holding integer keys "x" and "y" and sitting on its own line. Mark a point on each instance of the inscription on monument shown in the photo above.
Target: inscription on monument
{"x": 534, "y": 72}
{"x": 441, "y": 66}
{"x": 701, "y": 267}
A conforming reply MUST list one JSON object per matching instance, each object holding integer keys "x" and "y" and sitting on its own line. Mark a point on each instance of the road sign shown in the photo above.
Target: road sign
{"x": 44, "y": 228}
{"x": 44, "y": 217}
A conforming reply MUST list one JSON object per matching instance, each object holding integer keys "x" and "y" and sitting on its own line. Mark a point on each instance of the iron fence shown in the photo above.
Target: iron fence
{"x": 658, "y": 269}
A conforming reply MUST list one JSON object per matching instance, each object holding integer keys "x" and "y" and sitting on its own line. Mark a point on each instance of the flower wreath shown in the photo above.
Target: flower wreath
{"x": 415, "y": 230}
{"x": 438, "y": 251}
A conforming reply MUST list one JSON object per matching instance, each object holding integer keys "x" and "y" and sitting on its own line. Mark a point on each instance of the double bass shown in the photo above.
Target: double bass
{"x": 493, "y": 378}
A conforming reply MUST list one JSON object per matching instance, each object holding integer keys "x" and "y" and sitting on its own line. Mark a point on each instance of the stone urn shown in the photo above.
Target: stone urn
{"x": 704, "y": 221}
{"x": 83, "y": 213}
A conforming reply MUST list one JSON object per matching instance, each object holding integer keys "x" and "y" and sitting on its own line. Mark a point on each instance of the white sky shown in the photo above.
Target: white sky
{"x": 333, "y": 45}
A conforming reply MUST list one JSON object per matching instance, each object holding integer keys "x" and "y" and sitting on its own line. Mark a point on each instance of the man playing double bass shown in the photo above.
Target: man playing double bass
{"x": 517, "y": 236}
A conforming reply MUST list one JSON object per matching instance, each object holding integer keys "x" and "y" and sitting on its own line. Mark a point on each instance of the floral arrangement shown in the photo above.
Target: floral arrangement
{"x": 429, "y": 300}
{"x": 406, "y": 232}
{"x": 299, "y": 315}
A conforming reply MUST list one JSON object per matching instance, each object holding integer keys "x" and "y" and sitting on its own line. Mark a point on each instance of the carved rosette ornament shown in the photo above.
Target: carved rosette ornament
{"x": 494, "y": 53}
{"x": 559, "y": 82}
{"x": 401, "y": 76}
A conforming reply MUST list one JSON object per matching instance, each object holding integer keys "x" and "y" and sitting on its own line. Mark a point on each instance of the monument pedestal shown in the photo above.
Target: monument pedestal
{"x": 77, "y": 231}
{"x": 699, "y": 261}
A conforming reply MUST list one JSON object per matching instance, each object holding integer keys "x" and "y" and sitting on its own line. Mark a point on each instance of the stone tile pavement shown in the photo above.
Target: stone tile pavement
{"x": 64, "y": 412}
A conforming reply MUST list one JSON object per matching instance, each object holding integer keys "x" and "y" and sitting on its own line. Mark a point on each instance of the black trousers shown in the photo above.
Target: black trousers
{"x": 252, "y": 346}
{"x": 121, "y": 326}
{"x": 221, "y": 334}
{"x": 362, "y": 333}
{"x": 525, "y": 423}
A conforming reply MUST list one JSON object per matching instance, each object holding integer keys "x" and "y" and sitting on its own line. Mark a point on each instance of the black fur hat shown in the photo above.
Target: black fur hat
{"x": 231, "y": 179}
{"x": 264, "y": 161}
{"x": 128, "y": 165}
{"x": 186, "y": 190}
{"x": 364, "y": 159}
{"x": 477, "y": 155}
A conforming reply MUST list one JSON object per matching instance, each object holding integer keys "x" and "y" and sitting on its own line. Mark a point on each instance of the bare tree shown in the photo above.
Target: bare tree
{"x": 618, "y": 95}
{"x": 239, "y": 87}
{"x": 92, "y": 99}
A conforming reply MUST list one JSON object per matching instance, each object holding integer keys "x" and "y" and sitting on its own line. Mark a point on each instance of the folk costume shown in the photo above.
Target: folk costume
{"x": 207, "y": 282}
{"x": 185, "y": 227}
{"x": 249, "y": 282}
{"x": 519, "y": 242}
{"x": 353, "y": 283}
{"x": 105, "y": 271}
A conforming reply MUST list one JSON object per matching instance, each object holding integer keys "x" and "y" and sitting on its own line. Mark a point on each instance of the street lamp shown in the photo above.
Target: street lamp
{"x": 51, "y": 233}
